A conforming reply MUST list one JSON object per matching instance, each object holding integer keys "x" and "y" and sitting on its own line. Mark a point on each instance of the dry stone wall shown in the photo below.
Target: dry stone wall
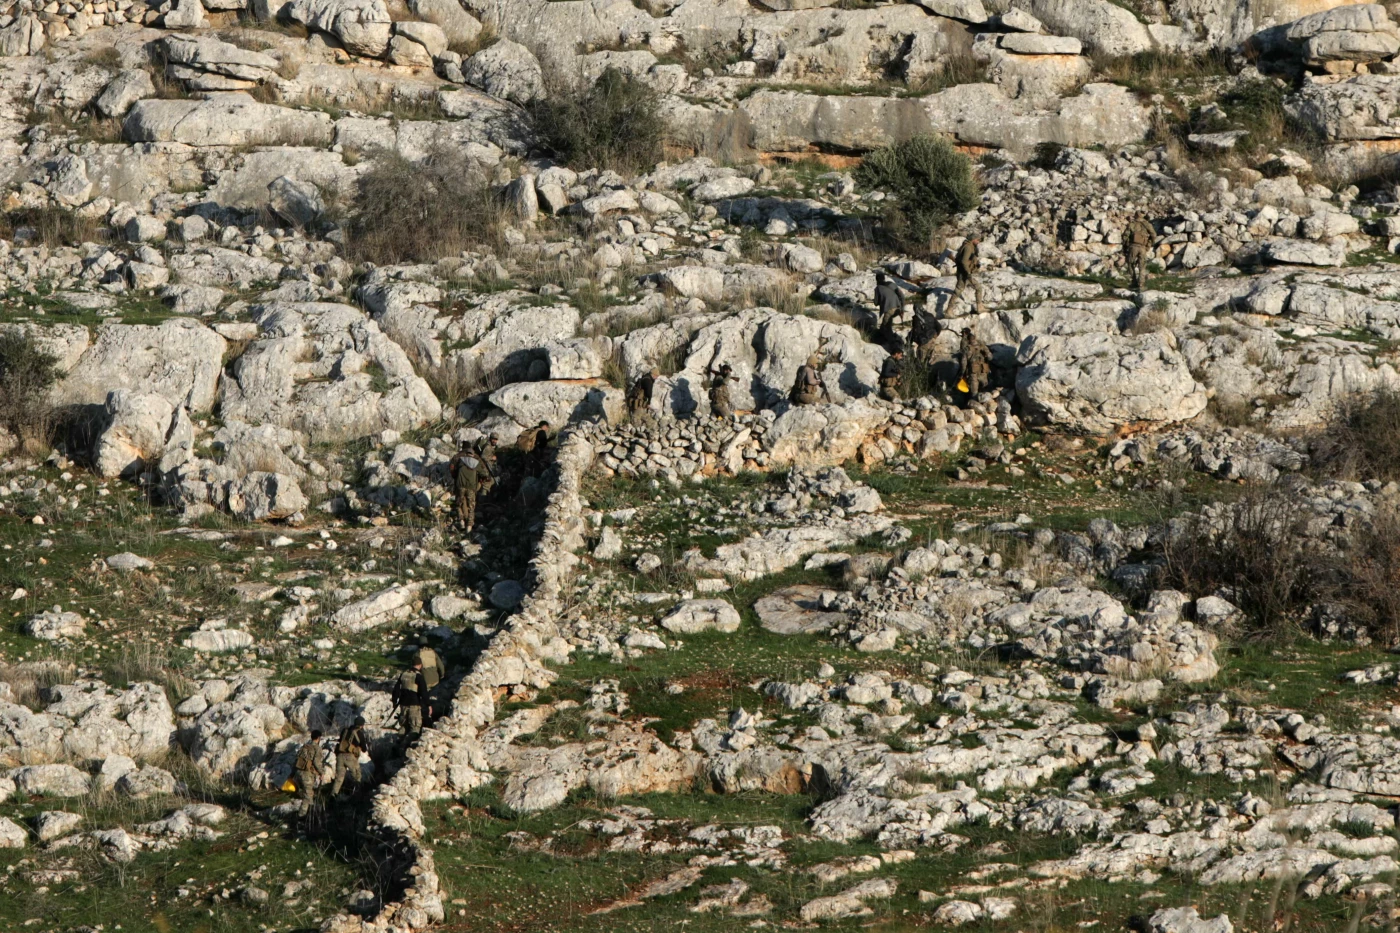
{"x": 447, "y": 759}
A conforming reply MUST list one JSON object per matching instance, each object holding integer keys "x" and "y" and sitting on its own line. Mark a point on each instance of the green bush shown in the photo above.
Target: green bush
{"x": 927, "y": 179}
{"x": 407, "y": 211}
{"x": 27, "y": 374}
{"x": 615, "y": 123}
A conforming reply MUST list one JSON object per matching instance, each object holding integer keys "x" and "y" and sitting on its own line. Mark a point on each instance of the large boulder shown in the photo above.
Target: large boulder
{"x": 1094, "y": 383}
{"x": 124, "y": 90}
{"x": 975, "y": 114}
{"x": 55, "y": 624}
{"x": 23, "y": 36}
{"x": 328, "y": 371}
{"x": 506, "y": 70}
{"x": 260, "y": 496}
{"x": 456, "y": 23}
{"x": 178, "y": 360}
{"x": 1102, "y": 25}
{"x": 765, "y": 349}
{"x": 50, "y": 780}
{"x": 1354, "y": 108}
{"x": 233, "y": 737}
{"x": 137, "y": 432}
{"x": 205, "y": 63}
{"x": 226, "y": 119}
{"x": 821, "y": 435}
{"x": 1360, "y": 33}
{"x": 362, "y": 26}
{"x": 137, "y": 722}
{"x": 702, "y": 615}
{"x": 558, "y": 402}
{"x": 27, "y": 738}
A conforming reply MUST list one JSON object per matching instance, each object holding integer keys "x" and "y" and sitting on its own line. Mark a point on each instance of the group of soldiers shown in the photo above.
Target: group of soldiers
{"x": 639, "y": 394}
{"x": 416, "y": 698}
{"x": 974, "y": 358}
{"x": 475, "y": 469}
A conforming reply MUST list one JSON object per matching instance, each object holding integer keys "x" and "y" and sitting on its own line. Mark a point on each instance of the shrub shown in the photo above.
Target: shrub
{"x": 407, "y": 211}
{"x": 616, "y": 123}
{"x": 1363, "y": 442}
{"x": 1365, "y": 578}
{"x": 27, "y": 373}
{"x": 928, "y": 180}
{"x": 1252, "y": 548}
{"x": 1149, "y": 72}
{"x": 53, "y": 227}
{"x": 1046, "y": 155}
{"x": 959, "y": 68}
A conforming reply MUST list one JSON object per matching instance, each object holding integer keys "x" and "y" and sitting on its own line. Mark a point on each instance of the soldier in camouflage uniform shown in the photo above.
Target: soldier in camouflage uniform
{"x": 465, "y": 469}
{"x": 1136, "y": 245}
{"x": 348, "y": 749}
{"x": 721, "y": 404}
{"x": 308, "y": 772}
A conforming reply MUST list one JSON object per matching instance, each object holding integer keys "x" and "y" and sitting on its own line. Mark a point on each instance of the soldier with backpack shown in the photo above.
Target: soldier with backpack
{"x": 434, "y": 671}
{"x": 348, "y": 749}
{"x": 466, "y": 470}
{"x": 411, "y": 700}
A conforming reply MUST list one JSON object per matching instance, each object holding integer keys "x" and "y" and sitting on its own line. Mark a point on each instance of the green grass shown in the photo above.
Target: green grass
{"x": 498, "y": 880}
{"x": 136, "y": 622}
{"x": 44, "y": 306}
{"x": 191, "y": 887}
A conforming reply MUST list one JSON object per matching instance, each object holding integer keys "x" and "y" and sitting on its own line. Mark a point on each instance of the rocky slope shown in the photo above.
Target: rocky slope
{"x": 864, "y": 662}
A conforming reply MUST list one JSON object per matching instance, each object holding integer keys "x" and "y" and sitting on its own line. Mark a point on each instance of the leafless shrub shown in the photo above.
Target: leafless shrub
{"x": 407, "y": 211}
{"x": 1363, "y": 441}
{"x": 1253, "y": 549}
{"x": 30, "y": 679}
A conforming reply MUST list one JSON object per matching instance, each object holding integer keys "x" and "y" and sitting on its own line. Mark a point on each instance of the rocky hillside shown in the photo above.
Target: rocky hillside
{"x": 1103, "y": 640}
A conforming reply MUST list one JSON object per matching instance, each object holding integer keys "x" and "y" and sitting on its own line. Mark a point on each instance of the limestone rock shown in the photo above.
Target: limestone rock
{"x": 506, "y": 70}
{"x": 260, "y": 496}
{"x": 701, "y": 615}
{"x": 558, "y": 402}
{"x": 367, "y": 382}
{"x": 1187, "y": 920}
{"x": 12, "y": 835}
{"x": 50, "y": 780}
{"x": 362, "y": 26}
{"x": 122, "y": 91}
{"x": 178, "y": 360}
{"x": 226, "y": 119}
{"x": 459, "y": 26}
{"x": 385, "y": 606}
{"x": 55, "y": 624}
{"x": 138, "y": 429}
{"x": 1093, "y": 383}
{"x": 1102, "y": 25}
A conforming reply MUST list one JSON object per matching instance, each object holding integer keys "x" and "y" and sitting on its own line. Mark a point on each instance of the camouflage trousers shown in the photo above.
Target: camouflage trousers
{"x": 466, "y": 508}
{"x": 306, "y": 791}
{"x": 1137, "y": 265}
{"x": 347, "y": 767}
